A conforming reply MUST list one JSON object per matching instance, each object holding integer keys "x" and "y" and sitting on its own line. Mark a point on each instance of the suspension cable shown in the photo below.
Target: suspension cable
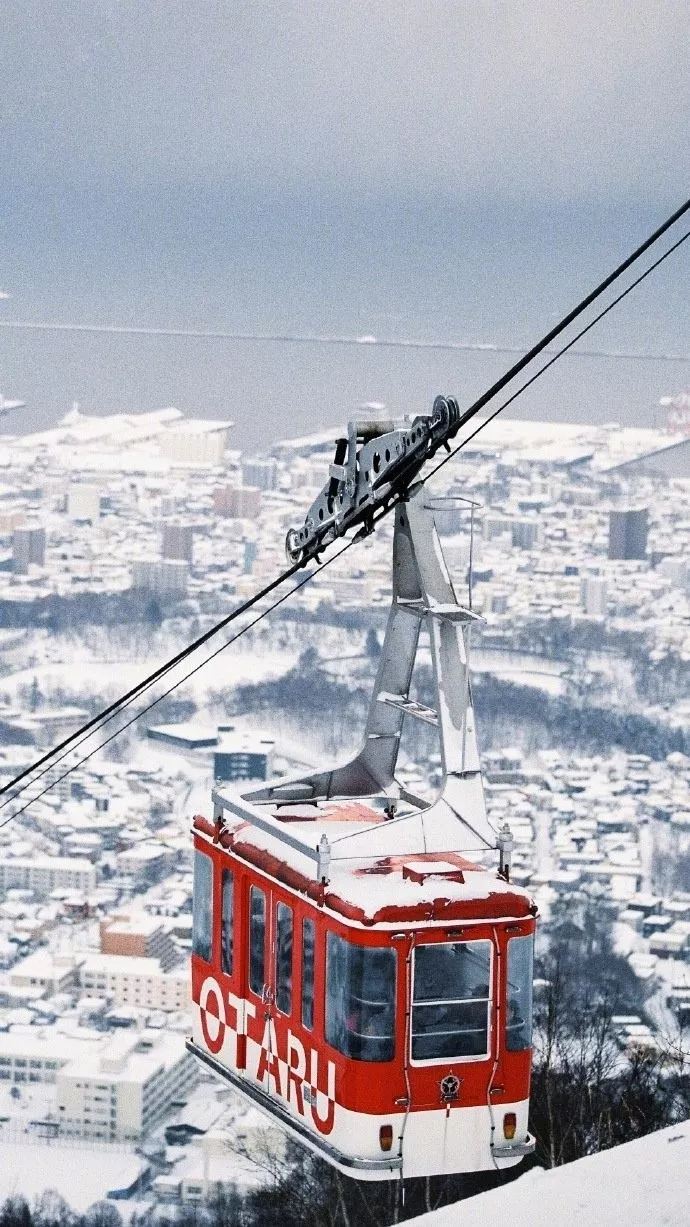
{"x": 164, "y": 695}
{"x": 559, "y": 354}
{"x": 568, "y": 319}
{"x": 158, "y": 673}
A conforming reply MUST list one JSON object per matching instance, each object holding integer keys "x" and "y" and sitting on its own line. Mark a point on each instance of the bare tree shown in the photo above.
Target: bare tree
{"x": 588, "y": 1091}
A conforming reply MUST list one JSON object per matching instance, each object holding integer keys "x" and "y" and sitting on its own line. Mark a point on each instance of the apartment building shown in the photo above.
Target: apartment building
{"x": 134, "y": 981}
{"x": 44, "y": 970}
{"x": 45, "y": 874}
{"x": 35, "y": 1054}
{"x": 120, "y": 1092}
{"x": 140, "y": 936}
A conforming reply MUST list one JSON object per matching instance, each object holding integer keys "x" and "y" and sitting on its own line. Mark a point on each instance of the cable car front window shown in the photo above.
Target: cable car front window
{"x": 519, "y": 1003}
{"x": 284, "y": 958}
{"x": 360, "y": 1000}
{"x": 450, "y": 1010}
{"x": 201, "y": 918}
{"x": 257, "y": 940}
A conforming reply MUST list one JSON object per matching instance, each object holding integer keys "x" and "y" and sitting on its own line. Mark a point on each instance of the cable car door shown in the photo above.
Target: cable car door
{"x": 451, "y": 1020}
{"x": 271, "y": 924}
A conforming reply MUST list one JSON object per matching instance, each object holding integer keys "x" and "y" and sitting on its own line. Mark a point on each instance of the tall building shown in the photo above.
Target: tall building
{"x": 260, "y": 472}
{"x": 250, "y": 553}
{"x": 242, "y": 755}
{"x": 28, "y": 1057}
{"x": 527, "y": 534}
{"x": 195, "y": 441}
{"x": 45, "y": 970}
{"x": 28, "y": 548}
{"x": 45, "y": 874}
{"x": 593, "y": 595}
{"x": 498, "y": 602}
{"x": 451, "y": 519}
{"x": 168, "y": 576}
{"x": 130, "y": 980}
{"x": 241, "y": 502}
{"x": 178, "y": 541}
{"x": 524, "y": 532}
{"x": 119, "y": 1092}
{"x": 140, "y": 936}
{"x": 628, "y": 532}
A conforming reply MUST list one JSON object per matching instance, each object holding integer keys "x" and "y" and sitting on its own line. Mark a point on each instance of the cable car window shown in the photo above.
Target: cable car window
{"x": 519, "y": 1003}
{"x": 360, "y": 1000}
{"x": 201, "y": 921}
{"x": 450, "y": 1009}
{"x": 308, "y": 947}
{"x": 284, "y": 958}
{"x": 257, "y": 940}
{"x": 227, "y": 922}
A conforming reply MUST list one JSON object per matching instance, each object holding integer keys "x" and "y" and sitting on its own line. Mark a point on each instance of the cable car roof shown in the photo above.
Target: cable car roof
{"x": 380, "y": 889}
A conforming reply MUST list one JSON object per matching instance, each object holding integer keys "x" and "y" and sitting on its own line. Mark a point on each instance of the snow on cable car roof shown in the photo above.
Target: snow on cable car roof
{"x": 376, "y": 888}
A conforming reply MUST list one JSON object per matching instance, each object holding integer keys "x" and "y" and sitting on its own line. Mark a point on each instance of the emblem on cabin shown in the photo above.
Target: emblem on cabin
{"x": 450, "y": 1088}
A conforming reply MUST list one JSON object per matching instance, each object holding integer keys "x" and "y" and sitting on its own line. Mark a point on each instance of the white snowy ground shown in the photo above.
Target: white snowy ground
{"x": 103, "y": 677}
{"x": 641, "y": 1184}
{"x": 82, "y": 1175}
{"x": 85, "y": 1172}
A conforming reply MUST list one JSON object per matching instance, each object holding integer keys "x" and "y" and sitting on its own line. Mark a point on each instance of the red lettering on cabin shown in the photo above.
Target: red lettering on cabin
{"x": 212, "y": 1014}
{"x": 268, "y": 1061}
{"x": 296, "y": 1070}
{"x": 324, "y": 1124}
{"x": 244, "y": 1010}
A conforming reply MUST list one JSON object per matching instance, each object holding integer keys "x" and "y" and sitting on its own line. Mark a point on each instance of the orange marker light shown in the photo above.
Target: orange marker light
{"x": 386, "y": 1137}
{"x": 509, "y": 1125}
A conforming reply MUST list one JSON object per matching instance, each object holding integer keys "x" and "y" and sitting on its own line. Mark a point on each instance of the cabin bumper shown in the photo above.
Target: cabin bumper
{"x": 514, "y": 1150}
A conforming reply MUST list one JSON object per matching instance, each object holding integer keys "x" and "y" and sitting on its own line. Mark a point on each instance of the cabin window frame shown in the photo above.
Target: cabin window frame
{"x": 443, "y": 1002}
{"x": 202, "y": 906}
{"x": 357, "y": 1043}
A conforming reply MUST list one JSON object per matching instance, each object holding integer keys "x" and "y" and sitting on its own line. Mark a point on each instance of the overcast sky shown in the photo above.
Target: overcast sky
{"x": 461, "y": 97}
{"x": 285, "y": 152}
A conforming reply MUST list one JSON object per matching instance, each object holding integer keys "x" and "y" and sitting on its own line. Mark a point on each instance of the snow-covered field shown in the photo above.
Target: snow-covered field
{"x": 30, "y": 1169}
{"x": 231, "y": 668}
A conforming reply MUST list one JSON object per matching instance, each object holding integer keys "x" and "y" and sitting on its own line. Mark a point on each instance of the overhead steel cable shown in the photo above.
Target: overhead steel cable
{"x": 142, "y": 712}
{"x": 559, "y": 354}
{"x": 570, "y": 318}
{"x": 157, "y": 674}
{"x": 101, "y": 718}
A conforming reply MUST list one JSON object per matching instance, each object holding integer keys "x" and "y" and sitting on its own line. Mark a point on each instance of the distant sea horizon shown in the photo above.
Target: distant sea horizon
{"x": 444, "y": 276}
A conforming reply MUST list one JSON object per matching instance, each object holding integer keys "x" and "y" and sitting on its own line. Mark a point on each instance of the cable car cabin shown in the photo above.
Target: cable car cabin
{"x": 385, "y": 1018}
{"x": 354, "y": 971}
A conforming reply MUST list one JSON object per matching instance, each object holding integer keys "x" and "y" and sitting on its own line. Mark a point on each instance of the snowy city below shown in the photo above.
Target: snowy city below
{"x": 124, "y": 538}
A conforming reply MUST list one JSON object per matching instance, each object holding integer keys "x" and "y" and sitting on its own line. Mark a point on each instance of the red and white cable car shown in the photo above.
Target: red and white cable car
{"x": 354, "y": 972}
